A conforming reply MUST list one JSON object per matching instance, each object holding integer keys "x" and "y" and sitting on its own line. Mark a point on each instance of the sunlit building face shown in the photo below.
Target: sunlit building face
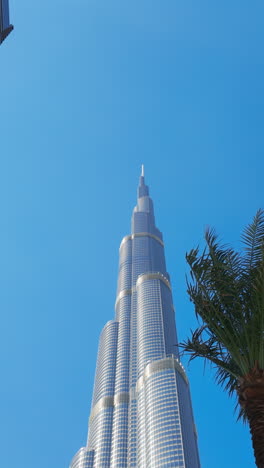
{"x": 141, "y": 412}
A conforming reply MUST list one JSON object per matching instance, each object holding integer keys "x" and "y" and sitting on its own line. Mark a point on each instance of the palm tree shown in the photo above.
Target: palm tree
{"x": 227, "y": 289}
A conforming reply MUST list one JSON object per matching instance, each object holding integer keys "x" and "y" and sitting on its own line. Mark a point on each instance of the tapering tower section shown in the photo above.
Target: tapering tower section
{"x": 141, "y": 411}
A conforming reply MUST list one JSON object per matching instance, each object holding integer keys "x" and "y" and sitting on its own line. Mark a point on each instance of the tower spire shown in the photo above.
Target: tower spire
{"x": 143, "y": 190}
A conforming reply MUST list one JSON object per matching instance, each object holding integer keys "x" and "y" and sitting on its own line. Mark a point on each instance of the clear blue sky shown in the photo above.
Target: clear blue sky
{"x": 89, "y": 91}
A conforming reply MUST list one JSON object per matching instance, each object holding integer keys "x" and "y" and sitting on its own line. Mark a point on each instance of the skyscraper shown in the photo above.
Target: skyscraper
{"x": 5, "y": 26}
{"x": 141, "y": 412}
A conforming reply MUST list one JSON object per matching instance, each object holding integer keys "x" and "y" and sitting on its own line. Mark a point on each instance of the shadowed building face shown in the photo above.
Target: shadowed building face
{"x": 5, "y": 26}
{"x": 141, "y": 412}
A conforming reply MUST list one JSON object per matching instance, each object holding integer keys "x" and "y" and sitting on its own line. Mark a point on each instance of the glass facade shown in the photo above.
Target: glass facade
{"x": 5, "y": 26}
{"x": 141, "y": 412}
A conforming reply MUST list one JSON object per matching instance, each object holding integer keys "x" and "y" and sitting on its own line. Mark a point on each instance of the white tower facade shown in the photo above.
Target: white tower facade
{"x": 141, "y": 412}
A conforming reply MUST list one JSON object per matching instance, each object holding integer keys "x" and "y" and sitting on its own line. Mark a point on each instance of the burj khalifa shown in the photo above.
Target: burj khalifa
{"x": 141, "y": 413}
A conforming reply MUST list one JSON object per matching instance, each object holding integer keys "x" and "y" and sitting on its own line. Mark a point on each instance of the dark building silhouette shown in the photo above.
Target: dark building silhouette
{"x": 5, "y": 26}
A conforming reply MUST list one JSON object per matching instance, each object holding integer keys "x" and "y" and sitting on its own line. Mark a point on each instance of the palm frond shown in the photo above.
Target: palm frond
{"x": 210, "y": 349}
{"x": 215, "y": 292}
{"x": 227, "y": 289}
{"x": 252, "y": 238}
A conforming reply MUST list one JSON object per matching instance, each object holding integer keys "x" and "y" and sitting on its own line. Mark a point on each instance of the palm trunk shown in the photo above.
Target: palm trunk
{"x": 255, "y": 414}
{"x": 251, "y": 399}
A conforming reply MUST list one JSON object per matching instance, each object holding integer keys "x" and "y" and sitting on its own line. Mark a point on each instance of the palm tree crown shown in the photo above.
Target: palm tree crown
{"x": 227, "y": 289}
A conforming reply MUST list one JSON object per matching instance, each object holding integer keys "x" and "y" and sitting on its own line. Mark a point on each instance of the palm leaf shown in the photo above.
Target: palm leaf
{"x": 227, "y": 289}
